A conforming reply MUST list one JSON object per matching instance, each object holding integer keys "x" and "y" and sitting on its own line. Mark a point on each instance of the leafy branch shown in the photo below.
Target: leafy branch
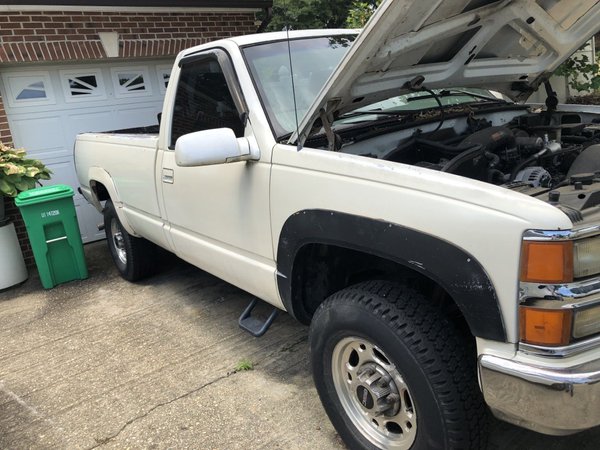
{"x": 360, "y": 12}
{"x": 19, "y": 173}
{"x": 581, "y": 73}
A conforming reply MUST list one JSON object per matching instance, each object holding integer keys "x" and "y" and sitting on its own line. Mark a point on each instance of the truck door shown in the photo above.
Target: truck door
{"x": 217, "y": 215}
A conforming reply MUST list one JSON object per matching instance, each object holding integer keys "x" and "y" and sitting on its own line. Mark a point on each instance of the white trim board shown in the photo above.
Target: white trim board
{"x": 149, "y": 9}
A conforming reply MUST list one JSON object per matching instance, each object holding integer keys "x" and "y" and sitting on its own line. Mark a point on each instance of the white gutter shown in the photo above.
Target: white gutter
{"x": 148, "y": 9}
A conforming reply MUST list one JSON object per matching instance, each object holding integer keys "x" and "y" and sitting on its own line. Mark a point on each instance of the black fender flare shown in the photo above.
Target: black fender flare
{"x": 458, "y": 272}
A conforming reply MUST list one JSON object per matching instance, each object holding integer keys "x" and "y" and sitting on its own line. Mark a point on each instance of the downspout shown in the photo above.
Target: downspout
{"x": 268, "y": 16}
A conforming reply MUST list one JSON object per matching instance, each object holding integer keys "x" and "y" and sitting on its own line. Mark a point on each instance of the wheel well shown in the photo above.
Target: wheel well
{"x": 321, "y": 270}
{"x": 99, "y": 190}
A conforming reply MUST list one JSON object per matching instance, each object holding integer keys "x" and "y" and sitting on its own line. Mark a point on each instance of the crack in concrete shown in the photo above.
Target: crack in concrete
{"x": 291, "y": 347}
{"x": 103, "y": 441}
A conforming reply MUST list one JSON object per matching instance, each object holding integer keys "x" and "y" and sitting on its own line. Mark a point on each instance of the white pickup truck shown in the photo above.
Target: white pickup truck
{"x": 441, "y": 239}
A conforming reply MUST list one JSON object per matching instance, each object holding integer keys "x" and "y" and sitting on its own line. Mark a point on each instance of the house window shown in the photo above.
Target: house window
{"x": 83, "y": 86}
{"x": 131, "y": 82}
{"x": 28, "y": 89}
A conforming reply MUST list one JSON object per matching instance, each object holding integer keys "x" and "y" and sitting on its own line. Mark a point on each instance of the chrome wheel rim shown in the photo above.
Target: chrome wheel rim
{"x": 374, "y": 394}
{"x": 116, "y": 235}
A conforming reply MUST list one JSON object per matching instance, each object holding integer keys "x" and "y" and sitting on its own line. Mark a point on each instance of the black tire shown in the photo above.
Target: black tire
{"x": 135, "y": 258}
{"x": 378, "y": 328}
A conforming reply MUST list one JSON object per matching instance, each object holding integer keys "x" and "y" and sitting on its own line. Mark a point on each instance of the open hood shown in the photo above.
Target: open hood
{"x": 509, "y": 46}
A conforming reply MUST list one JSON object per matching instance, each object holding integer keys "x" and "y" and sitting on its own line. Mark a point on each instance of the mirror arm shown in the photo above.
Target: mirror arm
{"x": 248, "y": 150}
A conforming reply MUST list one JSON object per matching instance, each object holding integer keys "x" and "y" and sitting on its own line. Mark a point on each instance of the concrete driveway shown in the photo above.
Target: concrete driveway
{"x": 104, "y": 363}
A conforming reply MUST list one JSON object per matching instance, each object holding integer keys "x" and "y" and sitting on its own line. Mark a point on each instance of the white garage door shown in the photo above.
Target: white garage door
{"x": 47, "y": 106}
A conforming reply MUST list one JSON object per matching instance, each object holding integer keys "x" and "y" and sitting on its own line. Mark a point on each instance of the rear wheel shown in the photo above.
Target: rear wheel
{"x": 135, "y": 258}
{"x": 394, "y": 373}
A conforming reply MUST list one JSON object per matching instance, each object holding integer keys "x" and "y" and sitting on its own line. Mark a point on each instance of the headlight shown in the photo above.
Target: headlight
{"x": 586, "y": 257}
{"x": 586, "y": 322}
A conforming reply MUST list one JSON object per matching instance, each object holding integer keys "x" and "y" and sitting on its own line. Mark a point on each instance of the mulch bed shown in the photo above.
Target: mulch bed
{"x": 589, "y": 99}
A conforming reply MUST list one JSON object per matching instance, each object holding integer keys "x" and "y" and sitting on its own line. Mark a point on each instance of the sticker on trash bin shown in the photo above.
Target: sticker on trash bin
{"x": 54, "y": 212}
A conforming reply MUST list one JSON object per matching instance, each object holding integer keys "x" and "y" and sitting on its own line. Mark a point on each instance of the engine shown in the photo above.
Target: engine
{"x": 521, "y": 153}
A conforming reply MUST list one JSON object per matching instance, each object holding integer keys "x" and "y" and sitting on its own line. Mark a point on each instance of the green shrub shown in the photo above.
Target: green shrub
{"x": 581, "y": 74}
{"x": 19, "y": 173}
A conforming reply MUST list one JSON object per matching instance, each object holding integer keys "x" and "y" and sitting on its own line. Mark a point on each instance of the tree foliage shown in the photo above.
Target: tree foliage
{"x": 303, "y": 14}
{"x": 581, "y": 73}
{"x": 360, "y": 12}
{"x": 308, "y": 14}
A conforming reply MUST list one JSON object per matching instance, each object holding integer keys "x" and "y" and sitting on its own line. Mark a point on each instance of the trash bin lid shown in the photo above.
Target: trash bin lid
{"x": 43, "y": 194}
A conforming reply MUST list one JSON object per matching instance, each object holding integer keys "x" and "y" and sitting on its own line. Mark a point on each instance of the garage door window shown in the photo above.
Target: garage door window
{"x": 164, "y": 73}
{"x": 29, "y": 89}
{"x": 33, "y": 90}
{"x": 83, "y": 86}
{"x": 131, "y": 82}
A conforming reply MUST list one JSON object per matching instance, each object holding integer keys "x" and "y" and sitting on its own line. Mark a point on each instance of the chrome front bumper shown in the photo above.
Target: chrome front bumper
{"x": 556, "y": 401}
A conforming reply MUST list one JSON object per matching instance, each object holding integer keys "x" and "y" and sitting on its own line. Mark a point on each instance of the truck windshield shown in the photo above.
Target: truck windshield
{"x": 313, "y": 61}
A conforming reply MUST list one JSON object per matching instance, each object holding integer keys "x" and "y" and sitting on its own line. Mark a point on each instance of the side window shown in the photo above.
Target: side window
{"x": 203, "y": 100}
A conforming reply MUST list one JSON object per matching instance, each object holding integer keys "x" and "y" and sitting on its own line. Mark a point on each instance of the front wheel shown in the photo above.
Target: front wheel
{"x": 393, "y": 373}
{"x": 135, "y": 258}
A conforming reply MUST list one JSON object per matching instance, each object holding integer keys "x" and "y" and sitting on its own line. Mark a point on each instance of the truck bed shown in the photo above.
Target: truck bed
{"x": 129, "y": 156}
{"x": 149, "y": 130}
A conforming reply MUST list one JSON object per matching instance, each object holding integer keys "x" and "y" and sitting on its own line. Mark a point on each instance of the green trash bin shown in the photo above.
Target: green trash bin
{"x": 51, "y": 222}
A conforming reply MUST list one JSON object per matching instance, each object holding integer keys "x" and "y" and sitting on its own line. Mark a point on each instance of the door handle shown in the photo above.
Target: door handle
{"x": 168, "y": 176}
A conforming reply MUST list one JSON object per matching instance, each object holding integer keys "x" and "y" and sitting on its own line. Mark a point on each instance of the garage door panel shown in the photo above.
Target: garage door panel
{"x": 140, "y": 116}
{"x": 93, "y": 121}
{"x": 88, "y": 219}
{"x": 41, "y": 136}
{"x": 64, "y": 171}
{"x": 47, "y": 108}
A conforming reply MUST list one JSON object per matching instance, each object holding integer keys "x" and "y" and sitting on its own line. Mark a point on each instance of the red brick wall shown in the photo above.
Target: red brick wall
{"x": 5, "y": 136}
{"x": 64, "y": 36}
{"x": 68, "y": 36}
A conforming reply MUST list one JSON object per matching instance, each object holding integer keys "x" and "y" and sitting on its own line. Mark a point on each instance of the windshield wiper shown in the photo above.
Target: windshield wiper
{"x": 371, "y": 112}
{"x": 457, "y": 92}
{"x": 472, "y": 94}
{"x": 440, "y": 94}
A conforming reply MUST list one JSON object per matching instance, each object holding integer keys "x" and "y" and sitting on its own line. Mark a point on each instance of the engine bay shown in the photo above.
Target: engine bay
{"x": 554, "y": 156}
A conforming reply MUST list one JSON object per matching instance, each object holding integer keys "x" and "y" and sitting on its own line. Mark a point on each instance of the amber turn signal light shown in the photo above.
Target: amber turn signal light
{"x": 547, "y": 262}
{"x": 545, "y": 326}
